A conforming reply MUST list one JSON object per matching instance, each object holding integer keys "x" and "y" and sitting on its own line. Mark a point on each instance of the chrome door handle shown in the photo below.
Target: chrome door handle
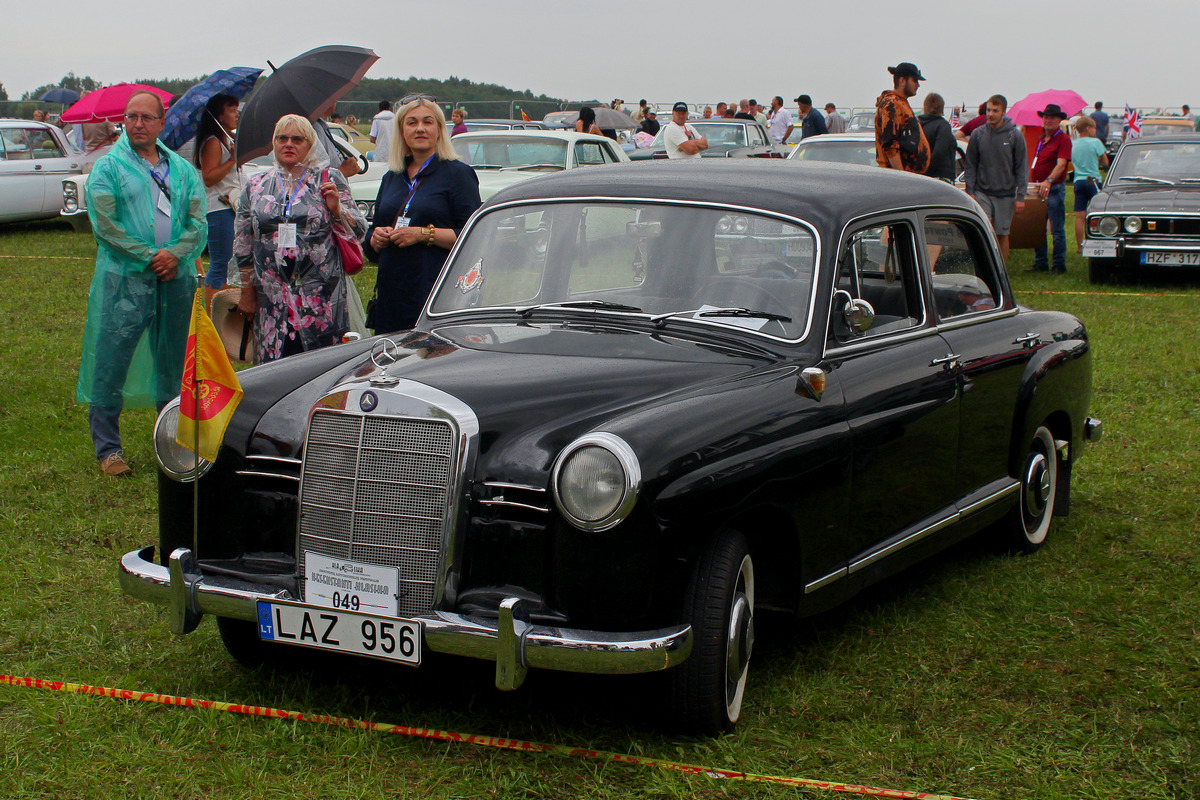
{"x": 949, "y": 361}
{"x": 1029, "y": 339}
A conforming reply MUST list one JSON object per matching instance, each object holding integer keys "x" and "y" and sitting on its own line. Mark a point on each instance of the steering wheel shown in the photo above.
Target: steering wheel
{"x": 777, "y": 269}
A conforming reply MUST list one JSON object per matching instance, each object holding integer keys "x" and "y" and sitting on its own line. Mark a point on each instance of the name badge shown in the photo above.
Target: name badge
{"x": 403, "y": 222}
{"x": 287, "y": 234}
{"x": 164, "y": 205}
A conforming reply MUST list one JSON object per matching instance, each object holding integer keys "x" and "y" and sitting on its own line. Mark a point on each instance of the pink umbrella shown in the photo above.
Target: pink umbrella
{"x": 1025, "y": 111}
{"x": 108, "y": 104}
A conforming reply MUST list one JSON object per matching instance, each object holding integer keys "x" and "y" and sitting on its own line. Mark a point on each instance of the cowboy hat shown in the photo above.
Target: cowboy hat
{"x": 235, "y": 330}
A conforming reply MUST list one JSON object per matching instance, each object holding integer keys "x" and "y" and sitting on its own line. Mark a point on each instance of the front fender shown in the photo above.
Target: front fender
{"x": 1056, "y": 389}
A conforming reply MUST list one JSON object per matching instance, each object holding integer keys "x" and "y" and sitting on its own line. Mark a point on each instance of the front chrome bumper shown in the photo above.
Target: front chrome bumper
{"x": 510, "y": 640}
{"x": 79, "y": 220}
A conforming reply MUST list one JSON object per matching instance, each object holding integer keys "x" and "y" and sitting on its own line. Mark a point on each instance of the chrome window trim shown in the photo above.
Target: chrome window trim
{"x": 712, "y": 322}
{"x": 409, "y": 399}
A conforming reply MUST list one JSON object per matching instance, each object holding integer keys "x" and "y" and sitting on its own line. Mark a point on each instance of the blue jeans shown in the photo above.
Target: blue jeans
{"x": 105, "y": 424}
{"x": 1056, "y": 215}
{"x": 220, "y": 246}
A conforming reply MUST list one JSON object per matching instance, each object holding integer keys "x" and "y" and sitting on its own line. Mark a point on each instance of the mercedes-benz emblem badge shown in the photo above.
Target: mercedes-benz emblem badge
{"x": 384, "y": 354}
{"x": 368, "y": 401}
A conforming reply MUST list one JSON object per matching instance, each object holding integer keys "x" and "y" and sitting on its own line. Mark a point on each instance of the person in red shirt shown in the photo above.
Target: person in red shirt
{"x": 966, "y": 130}
{"x": 1049, "y": 172}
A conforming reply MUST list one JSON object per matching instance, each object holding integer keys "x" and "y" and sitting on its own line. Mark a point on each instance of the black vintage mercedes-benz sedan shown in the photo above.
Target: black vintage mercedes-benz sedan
{"x": 642, "y": 402}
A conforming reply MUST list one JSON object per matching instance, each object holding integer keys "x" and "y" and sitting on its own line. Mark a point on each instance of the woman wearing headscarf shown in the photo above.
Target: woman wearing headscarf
{"x": 293, "y": 282}
{"x": 214, "y": 159}
{"x": 424, "y": 200}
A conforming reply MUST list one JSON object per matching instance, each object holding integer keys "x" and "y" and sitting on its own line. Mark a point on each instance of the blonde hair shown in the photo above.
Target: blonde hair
{"x": 317, "y": 157}
{"x": 398, "y": 150}
{"x": 1085, "y": 123}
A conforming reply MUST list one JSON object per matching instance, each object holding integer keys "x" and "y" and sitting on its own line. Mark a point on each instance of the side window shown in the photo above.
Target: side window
{"x": 756, "y": 138}
{"x": 964, "y": 277}
{"x": 43, "y": 145}
{"x": 588, "y": 153}
{"x": 16, "y": 143}
{"x": 878, "y": 265}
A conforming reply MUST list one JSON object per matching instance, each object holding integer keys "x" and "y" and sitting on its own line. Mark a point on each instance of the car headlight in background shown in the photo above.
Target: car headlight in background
{"x": 1109, "y": 226}
{"x": 173, "y": 458}
{"x": 1133, "y": 224}
{"x": 367, "y": 208}
{"x": 596, "y": 481}
{"x": 70, "y": 196}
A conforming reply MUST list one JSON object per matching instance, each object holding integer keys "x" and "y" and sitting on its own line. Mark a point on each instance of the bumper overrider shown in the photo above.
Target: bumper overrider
{"x": 509, "y": 640}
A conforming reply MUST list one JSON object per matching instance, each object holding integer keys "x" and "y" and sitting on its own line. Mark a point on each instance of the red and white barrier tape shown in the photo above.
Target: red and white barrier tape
{"x": 465, "y": 738}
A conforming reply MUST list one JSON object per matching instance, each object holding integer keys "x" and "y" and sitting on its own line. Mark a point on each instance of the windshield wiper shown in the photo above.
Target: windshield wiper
{"x": 660, "y": 320}
{"x": 743, "y": 312}
{"x": 486, "y": 166}
{"x": 1144, "y": 179}
{"x": 600, "y": 304}
{"x": 519, "y": 167}
{"x": 1189, "y": 180}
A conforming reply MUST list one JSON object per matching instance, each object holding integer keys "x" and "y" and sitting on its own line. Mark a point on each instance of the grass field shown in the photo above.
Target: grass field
{"x": 1073, "y": 673}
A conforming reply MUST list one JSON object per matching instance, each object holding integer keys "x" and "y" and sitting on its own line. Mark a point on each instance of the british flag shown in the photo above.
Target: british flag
{"x": 1133, "y": 125}
{"x": 954, "y": 117}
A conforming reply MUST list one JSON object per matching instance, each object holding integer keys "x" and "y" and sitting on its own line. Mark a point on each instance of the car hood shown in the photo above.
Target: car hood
{"x": 1146, "y": 199}
{"x": 534, "y": 387}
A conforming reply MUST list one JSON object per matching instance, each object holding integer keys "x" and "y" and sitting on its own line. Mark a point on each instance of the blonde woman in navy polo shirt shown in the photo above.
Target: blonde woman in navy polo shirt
{"x": 423, "y": 202}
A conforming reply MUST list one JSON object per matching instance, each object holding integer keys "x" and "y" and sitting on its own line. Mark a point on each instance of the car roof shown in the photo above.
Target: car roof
{"x": 498, "y": 120}
{"x": 854, "y": 136}
{"x": 556, "y": 135}
{"x": 813, "y": 191}
{"x": 1174, "y": 138}
{"x": 9, "y": 122}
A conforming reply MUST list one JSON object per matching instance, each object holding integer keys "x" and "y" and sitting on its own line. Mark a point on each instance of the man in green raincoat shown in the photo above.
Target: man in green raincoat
{"x": 147, "y": 209}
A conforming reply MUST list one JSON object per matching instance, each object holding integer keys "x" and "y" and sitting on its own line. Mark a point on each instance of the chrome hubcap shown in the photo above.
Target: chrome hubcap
{"x": 1037, "y": 484}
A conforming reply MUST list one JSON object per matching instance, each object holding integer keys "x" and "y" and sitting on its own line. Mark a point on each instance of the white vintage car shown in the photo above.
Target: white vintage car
{"x": 504, "y": 157}
{"x": 34, "y": 158}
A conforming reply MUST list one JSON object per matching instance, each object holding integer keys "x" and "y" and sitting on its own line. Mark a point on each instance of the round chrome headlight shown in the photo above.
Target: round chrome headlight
{"x": 596, "y": 481}
{"x": 366, "y": 208}
{"x": 724, "y": 224}
{"x": 1133, "y": 224}
{"x": 173, "y": 458}
{"x": 1109, "y": 226}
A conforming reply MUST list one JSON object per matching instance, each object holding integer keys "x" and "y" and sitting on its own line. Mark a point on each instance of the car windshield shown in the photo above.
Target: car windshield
{"x": 717, "y": 134}
{"x": 511, "y": 152}
{"x": 1152, "y": 162}
{"x": 682, "y": 264}
{"x": 835, "y": 152}
{"x": 861, "y": 122}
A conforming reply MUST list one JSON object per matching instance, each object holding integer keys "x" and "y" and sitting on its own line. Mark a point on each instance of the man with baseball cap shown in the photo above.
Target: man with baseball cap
{"x": 900, "y": 141}
{"x": 1049, "y": 172}
{"x": 811, "y": 122}
{"x": 682, "y": 140}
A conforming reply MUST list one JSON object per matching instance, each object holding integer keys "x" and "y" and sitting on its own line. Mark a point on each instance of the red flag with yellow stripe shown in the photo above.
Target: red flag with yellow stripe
{"x": 525, "y": 116}
{"x": 210, "y": 392}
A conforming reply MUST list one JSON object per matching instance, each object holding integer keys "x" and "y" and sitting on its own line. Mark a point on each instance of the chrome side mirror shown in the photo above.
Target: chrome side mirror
{"x": 858, "y": 314}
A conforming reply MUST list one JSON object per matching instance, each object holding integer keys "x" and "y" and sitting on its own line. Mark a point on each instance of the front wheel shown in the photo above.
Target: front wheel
{"x": 1029, "y": 522}
{"x": 707, "y": 689}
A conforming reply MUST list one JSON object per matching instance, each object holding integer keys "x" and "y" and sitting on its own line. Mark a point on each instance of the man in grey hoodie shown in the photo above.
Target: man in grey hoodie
{"x": 997, "y": 169}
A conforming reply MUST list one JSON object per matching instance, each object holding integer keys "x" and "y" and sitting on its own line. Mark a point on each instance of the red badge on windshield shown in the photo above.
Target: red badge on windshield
{"x": 473, "y": 279}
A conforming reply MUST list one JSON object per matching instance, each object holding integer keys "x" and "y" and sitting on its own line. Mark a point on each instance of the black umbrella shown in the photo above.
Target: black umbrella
{"x": 60, "y": 95}
{"x": 307, "y": 85}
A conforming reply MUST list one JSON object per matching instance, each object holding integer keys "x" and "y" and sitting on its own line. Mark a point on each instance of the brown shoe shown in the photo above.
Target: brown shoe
{"x": 115, "y": 466}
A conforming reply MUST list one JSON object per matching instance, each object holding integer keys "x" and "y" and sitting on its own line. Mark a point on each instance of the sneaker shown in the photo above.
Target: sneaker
{"x": 115, "y": 466}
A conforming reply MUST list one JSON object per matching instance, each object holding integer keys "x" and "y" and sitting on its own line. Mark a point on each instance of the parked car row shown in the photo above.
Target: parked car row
{"x": 34, "y": 159}
{"x": 642, "y": 403}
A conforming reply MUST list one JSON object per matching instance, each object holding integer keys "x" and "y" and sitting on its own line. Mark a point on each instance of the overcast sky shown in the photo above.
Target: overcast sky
{"x": 1139, "y": 51}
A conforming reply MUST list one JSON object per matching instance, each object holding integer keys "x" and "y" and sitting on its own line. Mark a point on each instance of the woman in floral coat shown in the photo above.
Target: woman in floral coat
{"x": 293, "y": 282}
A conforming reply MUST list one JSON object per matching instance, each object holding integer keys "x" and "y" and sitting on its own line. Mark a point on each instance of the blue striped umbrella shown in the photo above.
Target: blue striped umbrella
{"x": 184, "y": 117}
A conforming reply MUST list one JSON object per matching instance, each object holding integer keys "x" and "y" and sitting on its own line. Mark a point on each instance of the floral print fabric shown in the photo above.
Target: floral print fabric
{"x": 301, "y": 289}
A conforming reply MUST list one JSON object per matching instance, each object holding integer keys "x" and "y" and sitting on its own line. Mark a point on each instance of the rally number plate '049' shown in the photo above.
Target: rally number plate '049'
{"x": 361, "y": 634}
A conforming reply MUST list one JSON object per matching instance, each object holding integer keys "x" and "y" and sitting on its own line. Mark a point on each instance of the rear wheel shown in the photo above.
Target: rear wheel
{"x": 707, "y": 689}
{"x": 1100, "y": 269}
{"x": 1029, "y": 523}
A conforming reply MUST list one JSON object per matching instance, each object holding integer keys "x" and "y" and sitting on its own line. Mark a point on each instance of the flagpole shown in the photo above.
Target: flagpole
{"x": 196, "y": 449}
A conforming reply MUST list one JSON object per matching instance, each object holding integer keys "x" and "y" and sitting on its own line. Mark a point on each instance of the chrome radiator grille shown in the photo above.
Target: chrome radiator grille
{"x": 375, "y": 490}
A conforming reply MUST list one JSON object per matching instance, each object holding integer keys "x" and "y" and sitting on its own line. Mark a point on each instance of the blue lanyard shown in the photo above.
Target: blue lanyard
{"x": 1043, "y": 144}
{"x": 415, "y": 183}
{"x": 287, "y": 209}
{"x": 162, "y": 181}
